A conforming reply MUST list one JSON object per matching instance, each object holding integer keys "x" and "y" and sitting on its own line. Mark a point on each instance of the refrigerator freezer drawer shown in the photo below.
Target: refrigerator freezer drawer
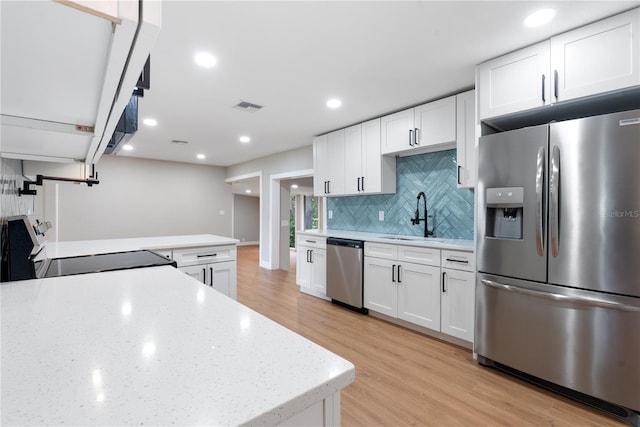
{"x": 582, "y": 340}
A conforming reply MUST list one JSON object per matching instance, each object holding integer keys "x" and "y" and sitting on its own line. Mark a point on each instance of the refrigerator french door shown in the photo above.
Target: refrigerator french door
{"x": 558, "y": 256}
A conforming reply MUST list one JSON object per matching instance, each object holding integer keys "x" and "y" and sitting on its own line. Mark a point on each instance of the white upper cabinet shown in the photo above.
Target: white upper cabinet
{"x": 329, "y": 164}
{"x": 367, "y": 171}
{"x": 349, "y": 162}
{"x": 597, "y": 58}
{"x": 514, "y": 82}
{"x": 68, "y": 73}
{"x": 420, "y": 128}
{"x": 397, "y": 131}
{"x": 600, "y": 57}
{"x": 467, "y": 168}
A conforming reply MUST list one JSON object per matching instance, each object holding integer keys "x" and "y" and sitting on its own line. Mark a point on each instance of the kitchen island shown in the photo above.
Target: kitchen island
{"x": 152, "y": 346}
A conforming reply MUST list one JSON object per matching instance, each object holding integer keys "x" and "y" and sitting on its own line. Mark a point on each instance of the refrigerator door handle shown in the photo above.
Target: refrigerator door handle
{"x": 540, "y": 165}
{"x": 554, "y": 211}
{"x": 592, "y": 302}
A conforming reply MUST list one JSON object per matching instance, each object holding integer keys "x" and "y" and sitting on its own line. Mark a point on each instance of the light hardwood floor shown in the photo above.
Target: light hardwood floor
{"x": 402, "y": 377}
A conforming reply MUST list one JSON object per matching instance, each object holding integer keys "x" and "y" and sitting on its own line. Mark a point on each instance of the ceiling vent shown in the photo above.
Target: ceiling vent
{"x": 179, "y": 141}
{"x": 248, "y": 107}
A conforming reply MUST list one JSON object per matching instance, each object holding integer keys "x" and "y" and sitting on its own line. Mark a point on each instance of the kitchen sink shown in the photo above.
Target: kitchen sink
{"x": 413, "y": 239}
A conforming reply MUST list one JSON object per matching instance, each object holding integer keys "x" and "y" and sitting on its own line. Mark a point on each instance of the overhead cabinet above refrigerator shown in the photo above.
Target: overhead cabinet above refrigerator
{"x": 68, "y": 72}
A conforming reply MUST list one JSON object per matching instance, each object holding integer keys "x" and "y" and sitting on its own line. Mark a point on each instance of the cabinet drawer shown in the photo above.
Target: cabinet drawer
{"x": 311, "y": 241}
{"x": 427, "y": 256}
{"x": 459, "y": 260}
{"x": 380, "y": 250}
{"x": 204, "y": 255}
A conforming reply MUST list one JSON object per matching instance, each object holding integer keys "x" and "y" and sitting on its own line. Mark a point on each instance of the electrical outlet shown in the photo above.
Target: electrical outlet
{"x": 380, "y": 215}
{"x": 330, "y": 214}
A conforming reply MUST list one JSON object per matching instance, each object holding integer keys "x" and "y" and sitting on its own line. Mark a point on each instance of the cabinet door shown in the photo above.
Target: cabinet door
{"x": 419, "y": 295}
{"x": 198, "y": 272}
{"x": 458, "y": 303}
{"x": 320, "y": 165}
{"x": 336, "y": 163}
{"x": 353, "y": 151}
{"x": 466, "y": 139}
{"x": 373, "y": 162}
{"x": 319, "y": 271}
{"x": 436, "y": 122}
{"x": 600, "y": 57}
{"x": 397, "y": 132}
{"x": 514, "y": 82}
{"x": 380, "y": 286}
{"x": 222, "y": 277}
{"x": 303, "y": 267}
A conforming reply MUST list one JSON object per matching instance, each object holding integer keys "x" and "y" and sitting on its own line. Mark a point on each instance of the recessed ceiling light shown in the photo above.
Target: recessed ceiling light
{"x": 334, "y": 103}
{"x": 127, "y": 147}
{"x": 539, "y": 18}
{"x": 205, "y": 59}
{"x": 294, "y": 185}
{"x": 201, "y": 156}
{"x": 247, "y": 191}
{"x": 244, "y": 139}
{"x": 150, "y": 122}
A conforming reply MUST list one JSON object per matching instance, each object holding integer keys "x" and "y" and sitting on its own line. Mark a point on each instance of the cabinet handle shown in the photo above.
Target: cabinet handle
{"x": 210, "y": 276}
{"x": 311, "y": 256}
{"x": 410, "y": 137}
{"x": 363, "y": 183}
{"x": 328, "y": 187}
{"x": 307, "y": 255}
{"x": 206, "y": 255}
{"x": 358, "y": 183}
{"x": 459, "y": 169}
{"x": 204, "y": 276}
{"x": 444, "y": 274}
{"x": 416, "y": 137}
{"x": 310, "y": 241}
{"x": 399, "y": 281}
{"x": 466, "y": 261}
{"x": 555, "y": 84}
{"x": 543, "y": 85}
{"x": 393, "y": 273}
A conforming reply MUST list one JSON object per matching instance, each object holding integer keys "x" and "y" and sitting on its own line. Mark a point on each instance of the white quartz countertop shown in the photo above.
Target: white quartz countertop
{"x": 151, "y": 346}
{"x": 89, "y": 247}
{"x": 427, "y": 242}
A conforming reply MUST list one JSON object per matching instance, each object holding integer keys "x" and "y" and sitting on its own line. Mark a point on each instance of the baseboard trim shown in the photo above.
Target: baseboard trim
{"x": 253, "y": 243}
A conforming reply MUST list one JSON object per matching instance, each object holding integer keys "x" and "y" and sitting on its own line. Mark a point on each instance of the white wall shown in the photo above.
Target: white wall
{"x": 246, "y": 218}
{"x": 135, "y": 198}
{"x": 288, "y": 161}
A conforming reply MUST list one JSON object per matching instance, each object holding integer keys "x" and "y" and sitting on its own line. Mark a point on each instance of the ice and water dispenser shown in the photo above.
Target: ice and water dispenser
{"x": 504, "y": 212}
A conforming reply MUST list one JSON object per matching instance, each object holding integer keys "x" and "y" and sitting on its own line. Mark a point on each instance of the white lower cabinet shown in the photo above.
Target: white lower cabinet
{"x": 214, "y": 266}
{"x": 404, "y": 290}
{"x": 311, "y": 265}
{"x": 220, "y": 276}
{"x": 458, "y": 294}
{"x": 420, "y": 291}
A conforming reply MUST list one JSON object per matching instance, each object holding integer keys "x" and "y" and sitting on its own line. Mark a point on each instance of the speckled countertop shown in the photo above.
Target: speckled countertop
{"x": 427, "y": 242}
{"x": 154, "y": 347}
{"x": 88, "y": 247}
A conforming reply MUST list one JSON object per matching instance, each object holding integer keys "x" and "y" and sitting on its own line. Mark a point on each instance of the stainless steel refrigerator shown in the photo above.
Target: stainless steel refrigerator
{"x": 558, "y": 257}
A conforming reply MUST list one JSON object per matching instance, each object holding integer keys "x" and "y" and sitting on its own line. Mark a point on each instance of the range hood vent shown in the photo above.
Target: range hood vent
{"x": 248, "y": 107}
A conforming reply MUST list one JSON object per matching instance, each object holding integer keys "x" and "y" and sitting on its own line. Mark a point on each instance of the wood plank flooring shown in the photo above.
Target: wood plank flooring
{"x": 404, "y": 378}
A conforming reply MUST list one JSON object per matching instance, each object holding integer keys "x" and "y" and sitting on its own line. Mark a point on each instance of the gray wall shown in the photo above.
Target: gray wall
{"x": 288, "y": 161}
{"x": 246, "y": 218}
{"x": 135, "y": 198}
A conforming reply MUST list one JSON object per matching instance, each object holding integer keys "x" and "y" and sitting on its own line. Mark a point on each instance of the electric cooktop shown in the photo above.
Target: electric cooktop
{"x": 104, "y": 262}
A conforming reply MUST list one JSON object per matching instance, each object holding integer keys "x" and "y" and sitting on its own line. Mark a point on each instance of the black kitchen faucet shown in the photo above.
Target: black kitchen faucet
{"x": 417, "y": 219}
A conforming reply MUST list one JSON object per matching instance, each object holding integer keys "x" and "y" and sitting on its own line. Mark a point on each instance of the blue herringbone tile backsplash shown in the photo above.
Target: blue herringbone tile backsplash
{"x": 433, "y": 173}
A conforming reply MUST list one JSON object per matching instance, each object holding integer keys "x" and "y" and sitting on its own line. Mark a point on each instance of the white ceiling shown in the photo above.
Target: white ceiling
{"x": 290, "y": 57}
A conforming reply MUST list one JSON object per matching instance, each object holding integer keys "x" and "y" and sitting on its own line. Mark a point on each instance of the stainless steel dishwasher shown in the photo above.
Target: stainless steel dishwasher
{"x": 345, "y": 263}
